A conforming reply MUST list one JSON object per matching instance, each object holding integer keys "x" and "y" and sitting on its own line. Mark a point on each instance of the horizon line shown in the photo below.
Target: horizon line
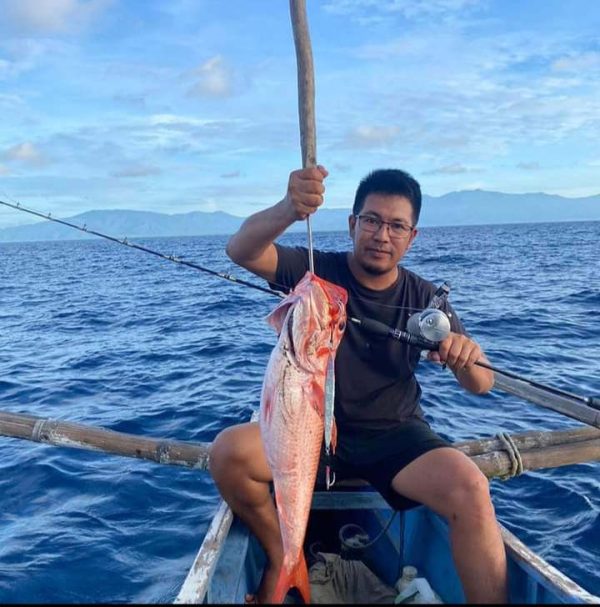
{"x": 430, "y": 226}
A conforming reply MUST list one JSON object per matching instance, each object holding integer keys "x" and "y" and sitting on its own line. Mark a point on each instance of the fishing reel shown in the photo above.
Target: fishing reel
{"x": 425, "y": 329}
{"x": 431, "y": 324}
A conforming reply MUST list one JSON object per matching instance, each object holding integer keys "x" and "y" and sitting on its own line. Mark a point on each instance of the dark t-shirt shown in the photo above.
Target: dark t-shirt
{"x": 375, "y": 384}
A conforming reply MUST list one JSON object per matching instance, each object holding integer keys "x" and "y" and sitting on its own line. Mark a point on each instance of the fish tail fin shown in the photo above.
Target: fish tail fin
{"x": 296, "y": 578}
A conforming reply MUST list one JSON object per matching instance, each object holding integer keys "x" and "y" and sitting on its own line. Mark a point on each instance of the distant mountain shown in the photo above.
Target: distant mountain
{"x": 456, "y": 208}
{"x": 131, "y": 224}
{"x": 477, "y": 207}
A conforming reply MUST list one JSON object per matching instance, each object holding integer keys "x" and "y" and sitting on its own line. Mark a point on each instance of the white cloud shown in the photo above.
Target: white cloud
{"x": 22, "y": 55}
{"x": 180, "y": 133}
{"x": 452, "y": 169}
{"x": 138, "y": 170}
{"x": 25, "y": 153}
{"x": 178, "y": 121}
{"x": 50, "y": 16}
{"x": 10, "y": 101}
{"x": 529, "y": 166}
{"x": 578, "y": 62}
{"x": 133, "y": 100}
{"x": 367, "y": 136}
{"x": 208, "y": 206}
{"x": 369, "y": 11}
{"x": 4, "y": 170}
{"x": 214, "y": 79}
{"x": 479, "y": 94}
{"x": 5, "y": 67}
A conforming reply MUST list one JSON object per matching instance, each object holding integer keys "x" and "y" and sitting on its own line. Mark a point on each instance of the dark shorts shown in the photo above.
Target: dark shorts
{"x": 377, "y": 456}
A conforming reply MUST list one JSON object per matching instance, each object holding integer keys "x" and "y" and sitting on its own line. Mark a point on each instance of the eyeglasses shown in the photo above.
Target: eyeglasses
{"x": 397, "y": 229}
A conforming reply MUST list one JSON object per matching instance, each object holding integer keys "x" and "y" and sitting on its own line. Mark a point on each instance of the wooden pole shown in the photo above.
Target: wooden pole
{"x": 306, "y": 83}
{"x": 306, "y": 99}
{"x": 537, "y": 449}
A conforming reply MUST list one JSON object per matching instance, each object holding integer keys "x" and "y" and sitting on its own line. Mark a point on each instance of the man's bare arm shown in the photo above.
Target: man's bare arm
{"x": 252, "y": 245}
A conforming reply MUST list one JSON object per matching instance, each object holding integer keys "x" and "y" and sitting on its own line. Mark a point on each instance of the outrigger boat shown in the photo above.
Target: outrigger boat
{"x": 230, "y": 561}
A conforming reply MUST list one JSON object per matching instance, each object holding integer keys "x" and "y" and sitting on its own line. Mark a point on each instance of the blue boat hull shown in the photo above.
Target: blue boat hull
{"x": 416, "y": 537}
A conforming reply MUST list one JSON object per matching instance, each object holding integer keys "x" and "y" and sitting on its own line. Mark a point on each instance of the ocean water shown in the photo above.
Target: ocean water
{"x": 99, "y": 334}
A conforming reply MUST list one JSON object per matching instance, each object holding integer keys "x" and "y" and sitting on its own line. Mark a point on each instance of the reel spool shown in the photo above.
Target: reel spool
{"x": 430, "y": 324}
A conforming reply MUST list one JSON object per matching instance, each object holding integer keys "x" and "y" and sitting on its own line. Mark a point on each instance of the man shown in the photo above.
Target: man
{"x": 382, "y": 436}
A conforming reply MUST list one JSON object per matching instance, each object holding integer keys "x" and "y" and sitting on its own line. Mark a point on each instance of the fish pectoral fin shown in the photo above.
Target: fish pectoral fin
{"x": 296, "y": 578}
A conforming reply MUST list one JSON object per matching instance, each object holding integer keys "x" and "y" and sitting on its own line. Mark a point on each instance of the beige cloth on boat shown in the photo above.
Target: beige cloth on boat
{"x": 337, "y": 580}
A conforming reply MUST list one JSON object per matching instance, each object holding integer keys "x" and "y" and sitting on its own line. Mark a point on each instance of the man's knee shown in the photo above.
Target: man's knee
{"x": 238, "y": 450}
{"x": 225, "y": 450}
{"x": 470, "y": 498}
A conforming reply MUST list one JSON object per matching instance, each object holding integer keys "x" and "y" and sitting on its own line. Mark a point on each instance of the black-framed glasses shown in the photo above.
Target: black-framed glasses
{"x": 397, "y": 229}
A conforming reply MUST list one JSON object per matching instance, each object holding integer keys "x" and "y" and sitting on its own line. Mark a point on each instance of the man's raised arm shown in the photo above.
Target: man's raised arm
{"x": 252, "y": 245}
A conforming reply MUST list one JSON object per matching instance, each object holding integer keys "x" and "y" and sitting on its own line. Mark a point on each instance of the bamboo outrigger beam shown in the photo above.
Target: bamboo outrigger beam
{"x": 537, "y": 449}
{"x": 79, "y": 436}
{"x": 526, "y": 441}
{"x": 499, "y": 464}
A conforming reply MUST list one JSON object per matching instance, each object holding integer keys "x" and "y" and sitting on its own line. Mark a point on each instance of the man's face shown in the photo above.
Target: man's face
{"x": 378, "y": 252}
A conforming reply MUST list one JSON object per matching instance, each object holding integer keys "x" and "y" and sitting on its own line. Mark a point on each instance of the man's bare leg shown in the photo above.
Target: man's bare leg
{"x": 239, "y": 468}
{"x": 448, "y": 482}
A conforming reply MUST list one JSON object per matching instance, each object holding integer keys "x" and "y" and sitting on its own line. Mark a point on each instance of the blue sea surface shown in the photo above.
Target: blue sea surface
{"x": 99, "y": 334}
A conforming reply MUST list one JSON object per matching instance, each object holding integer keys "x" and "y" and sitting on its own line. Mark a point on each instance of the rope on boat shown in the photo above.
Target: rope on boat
{"x": 516, "y": 462}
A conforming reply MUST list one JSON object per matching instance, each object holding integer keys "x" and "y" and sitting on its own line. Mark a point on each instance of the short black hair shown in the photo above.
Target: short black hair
{"x": 393, "y": 182}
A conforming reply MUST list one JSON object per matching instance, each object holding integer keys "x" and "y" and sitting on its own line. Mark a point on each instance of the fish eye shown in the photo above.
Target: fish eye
{"x": 342, "y": 325}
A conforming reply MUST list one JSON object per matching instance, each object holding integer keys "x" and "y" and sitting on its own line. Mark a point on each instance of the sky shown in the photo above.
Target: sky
{"x": 191, "y": 105}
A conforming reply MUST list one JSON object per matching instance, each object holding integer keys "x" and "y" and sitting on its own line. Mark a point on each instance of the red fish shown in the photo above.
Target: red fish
{"x": 310, "y": 322}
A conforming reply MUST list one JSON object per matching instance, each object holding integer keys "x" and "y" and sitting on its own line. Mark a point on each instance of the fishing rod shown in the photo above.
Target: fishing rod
{"x": 419, "y": 341}
{"x": 123, "y": 241}
{"x": 426, "y": 329}
{"x": 429, "y": 327}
